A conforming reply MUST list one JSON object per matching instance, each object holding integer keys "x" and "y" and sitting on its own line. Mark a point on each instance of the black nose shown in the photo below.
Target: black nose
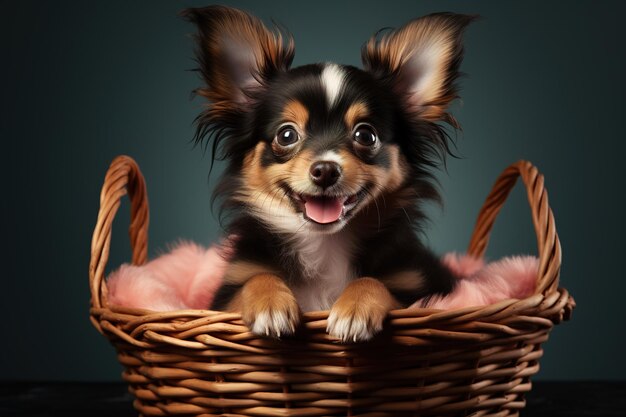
{"x": 325, "y": 173}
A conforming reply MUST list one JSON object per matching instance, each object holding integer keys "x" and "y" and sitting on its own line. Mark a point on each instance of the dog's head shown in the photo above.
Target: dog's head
{"x": 311, "y": 147}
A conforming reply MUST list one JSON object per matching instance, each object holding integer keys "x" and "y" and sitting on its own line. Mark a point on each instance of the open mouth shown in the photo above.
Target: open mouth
{"x": 326, "y": 209}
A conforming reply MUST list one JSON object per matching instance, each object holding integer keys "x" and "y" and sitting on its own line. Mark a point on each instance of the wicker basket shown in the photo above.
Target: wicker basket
{"x": 474, "y": 361}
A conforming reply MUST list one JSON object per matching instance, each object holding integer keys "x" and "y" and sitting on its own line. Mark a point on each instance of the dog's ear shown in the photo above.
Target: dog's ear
{"x": 421, "y": 62}
{"x": 237, "y": 55}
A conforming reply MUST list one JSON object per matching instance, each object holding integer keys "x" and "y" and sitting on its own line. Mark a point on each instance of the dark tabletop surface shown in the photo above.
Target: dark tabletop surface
{"x": 553, "y": 399}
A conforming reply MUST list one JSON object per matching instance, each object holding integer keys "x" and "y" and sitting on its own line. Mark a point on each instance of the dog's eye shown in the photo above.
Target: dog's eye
{"x": 287, "y": 135}
{"x": 365, "y": 135}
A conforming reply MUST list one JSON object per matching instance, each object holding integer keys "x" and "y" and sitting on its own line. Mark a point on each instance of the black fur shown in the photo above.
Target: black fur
{"x": 385, "y": 246}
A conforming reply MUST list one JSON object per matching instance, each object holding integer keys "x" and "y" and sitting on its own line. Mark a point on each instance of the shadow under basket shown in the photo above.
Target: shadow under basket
{"x": 474, "y": 361}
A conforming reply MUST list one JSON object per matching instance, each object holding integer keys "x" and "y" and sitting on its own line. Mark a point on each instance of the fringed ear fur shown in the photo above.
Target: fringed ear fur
{"x": 237, "y": 55}
{"x": 421, "y": 62}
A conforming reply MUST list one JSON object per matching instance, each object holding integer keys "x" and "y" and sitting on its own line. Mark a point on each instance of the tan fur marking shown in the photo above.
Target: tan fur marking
{"x": 261, "y": 191}
{"x": 267, "y": 306}
{"x": 399, "y": 167}
{"x": 252, "y": 168}
{"x": 404, "y": 281}
{"x": 295, "y": 170}
{"x": 297, "y": 113}
{"x": 298, "y": 170}
{"x": 239, "y": 272}
{"x": 356, "y": 173}
{"x": 359, "y": 312}
{"x": 389, "y": 189}
{"x": 355, "y": 113}
{"x": 235, "y": 304}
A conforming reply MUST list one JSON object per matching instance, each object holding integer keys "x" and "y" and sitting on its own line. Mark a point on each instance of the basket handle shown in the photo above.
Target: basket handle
{"x": 547, "y": 238}
{"x": 122, "y": 177}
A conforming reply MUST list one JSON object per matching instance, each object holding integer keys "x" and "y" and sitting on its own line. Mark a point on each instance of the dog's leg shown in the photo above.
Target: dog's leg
{"x": 267, "y": 306}
{"x": 359, "y": 312}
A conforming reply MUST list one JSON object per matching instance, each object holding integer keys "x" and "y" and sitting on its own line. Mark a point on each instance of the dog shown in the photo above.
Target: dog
{"x": 328, "y": 168}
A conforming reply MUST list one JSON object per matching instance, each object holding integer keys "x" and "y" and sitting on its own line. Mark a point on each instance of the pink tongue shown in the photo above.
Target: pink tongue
{"x": 323, "y": 210}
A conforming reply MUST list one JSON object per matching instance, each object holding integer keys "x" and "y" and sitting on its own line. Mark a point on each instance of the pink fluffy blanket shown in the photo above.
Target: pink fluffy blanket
{"x": 188, "y": 276}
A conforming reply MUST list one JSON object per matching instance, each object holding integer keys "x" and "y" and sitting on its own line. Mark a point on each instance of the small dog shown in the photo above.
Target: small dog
{"x": 327, "y": 168}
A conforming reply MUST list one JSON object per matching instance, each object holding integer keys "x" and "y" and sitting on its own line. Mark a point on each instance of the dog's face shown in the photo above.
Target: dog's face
{"x": 325, "y": 149}
{"x": 313, "y": 146}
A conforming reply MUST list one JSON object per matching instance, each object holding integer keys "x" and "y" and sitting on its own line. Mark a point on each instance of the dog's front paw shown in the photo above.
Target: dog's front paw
{"x": 269, "y": 308}
{"x": 274, "y": 321}
{"x": 359, "y": 313}
{"x": 353, "y": 324}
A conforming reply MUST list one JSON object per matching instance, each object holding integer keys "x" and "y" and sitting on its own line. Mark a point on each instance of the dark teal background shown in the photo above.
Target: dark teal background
{"x": 83, "y": 82}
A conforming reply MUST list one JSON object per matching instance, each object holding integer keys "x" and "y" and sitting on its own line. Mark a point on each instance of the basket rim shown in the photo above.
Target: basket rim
{"x": 513, "y": 320}
{"x": 407, "y": 312}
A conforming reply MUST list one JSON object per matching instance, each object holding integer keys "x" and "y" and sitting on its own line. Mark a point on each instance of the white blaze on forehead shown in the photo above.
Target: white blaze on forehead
{"x": 332, "y": 80}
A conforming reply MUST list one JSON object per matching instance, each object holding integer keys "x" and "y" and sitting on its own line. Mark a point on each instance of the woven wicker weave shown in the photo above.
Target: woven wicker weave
{"x": 474, "y": 361}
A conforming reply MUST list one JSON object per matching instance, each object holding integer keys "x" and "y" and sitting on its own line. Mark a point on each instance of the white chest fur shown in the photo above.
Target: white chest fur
{"x": 327, "y": 269}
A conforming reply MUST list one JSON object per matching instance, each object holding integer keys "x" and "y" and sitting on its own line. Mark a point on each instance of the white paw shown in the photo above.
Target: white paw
{"x": 352, "y": 327}
{"x": 274, "y": 323}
